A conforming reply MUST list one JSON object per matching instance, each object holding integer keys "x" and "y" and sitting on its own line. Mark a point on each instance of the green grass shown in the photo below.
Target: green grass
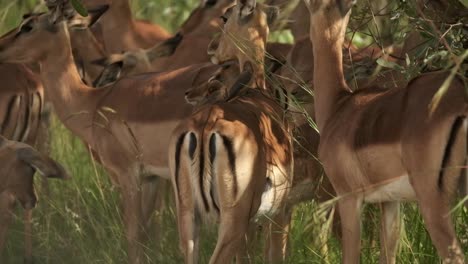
{"x": 81, "y": 222}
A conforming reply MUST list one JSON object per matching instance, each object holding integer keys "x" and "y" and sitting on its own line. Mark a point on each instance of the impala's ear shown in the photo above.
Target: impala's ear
{"x": 106, "y": 61}
{"x": 272, "y": 13}
{"x": 109, "y": 75}
{"x": 214, "y": 44}
{"x": 79, "y": 22}
{"x": 242, "y": 81}
{"x": 247, "y": 7}
{"x": 165, "y": 49}
{"x": 227, "y": 14}
{"x": 44, "y": 165}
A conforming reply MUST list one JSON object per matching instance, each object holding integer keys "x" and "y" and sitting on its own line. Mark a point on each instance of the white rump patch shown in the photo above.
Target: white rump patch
{"x": 162, "y": 172}
{"x": 398, "y": 190}
{"x": 268, "y": 196}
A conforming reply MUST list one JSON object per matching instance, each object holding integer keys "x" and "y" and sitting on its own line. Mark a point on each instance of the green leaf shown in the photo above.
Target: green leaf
{"x": 388, "y": 64}
{"x": 446, "y": 84}
{"x": 79, "y": 7}
{"x": 464, "y": 2}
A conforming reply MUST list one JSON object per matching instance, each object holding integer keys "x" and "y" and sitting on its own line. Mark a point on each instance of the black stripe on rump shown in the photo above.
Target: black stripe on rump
{"x": 457, "y": 125}
{"x": 232, "y": 161}
{"x": 27, "y": 119}
{"x": 213, "y": 172}
{"x": 201, "y": 172}
{"x": 10, "y": 105}
{"x": 192, "y": 145}
{"x": 180, "y": 141}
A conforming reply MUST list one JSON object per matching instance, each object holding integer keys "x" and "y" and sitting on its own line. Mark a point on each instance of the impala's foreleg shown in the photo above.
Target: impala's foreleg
{"x": 7, "y": 204}
{"x": 28, "y": 255}
{"x": 132, "y": 216}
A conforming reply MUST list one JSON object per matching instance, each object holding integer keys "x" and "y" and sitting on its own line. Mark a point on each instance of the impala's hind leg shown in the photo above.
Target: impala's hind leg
{"x": 188, "y": 217}
{"x": 231, "y": 234}
{"x": 350, "y": 211}
{"x": 435, "y": 174}
{"x": 435, "y": 210}
{"x": 189, "y": 229}
{"x": 278, "y": 231}
{"x": 389, "y": 232}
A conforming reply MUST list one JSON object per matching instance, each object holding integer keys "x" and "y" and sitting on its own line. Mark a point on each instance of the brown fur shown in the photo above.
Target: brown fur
{"x": 19, "y": 163}
{"x": 237, "y": 150}
{"x": 21, "y": 109}
{"x": 373, "y": 138}
{"x": 121, "y": 131}
{"x": 251, "y": 123}
{"x": 120, "y": 31}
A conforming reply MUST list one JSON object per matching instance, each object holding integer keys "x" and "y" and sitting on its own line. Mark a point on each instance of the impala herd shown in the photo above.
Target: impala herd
{"x": 211, "y": 109}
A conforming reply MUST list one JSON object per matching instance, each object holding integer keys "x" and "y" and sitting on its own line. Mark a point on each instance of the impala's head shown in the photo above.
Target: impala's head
{"x": 204, "y": 20}
{"x": 245, "y": 34}
{"x": 216, "y": 88}
{"x": 134, "y": 62}
{"x": 40, "y": 34}
{"x": 19, "y": 163}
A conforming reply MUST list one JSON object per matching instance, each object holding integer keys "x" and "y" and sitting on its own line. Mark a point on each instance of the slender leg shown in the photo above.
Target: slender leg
{"x": 131, "y": 199}
{"x": 149, "y": 192}
{"x": 188, "y": 234}
{"x": 7, "y": 204}
{"x": 350, "y": 212}
{"x": 247, "y": 248}
{"x": 187, "y": 217}
{"x": 390, "y": 231}
{"x": 278, "y": 237}
{"x": 28, "y": 257}
{"x": 436, "y": 214}
{"x": 231, "y": 234}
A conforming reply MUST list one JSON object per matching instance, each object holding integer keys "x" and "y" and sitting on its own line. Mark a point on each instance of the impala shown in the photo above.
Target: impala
{"x": 19, "y": 163}
{"x": 131, "y": 137}
{"x": 197, "y": 32}
{"x": 232, "y": 160}
{"x": 119, "y": 30}
{"x": 21, "y": 109}
{"x": 386, "y": 146}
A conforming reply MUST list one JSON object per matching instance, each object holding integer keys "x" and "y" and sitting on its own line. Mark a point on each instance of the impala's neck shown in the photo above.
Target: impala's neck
{"x": 72, "y": 99}
{"x": 118, "y": 28}
{"x": 327, "y": 34}
{"x": 300, "y": 18}
{"x": 86, "y": 49}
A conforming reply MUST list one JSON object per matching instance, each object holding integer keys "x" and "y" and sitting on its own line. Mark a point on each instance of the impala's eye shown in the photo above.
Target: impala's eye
{"x": 26, "y": 28}
{"x": 212, "y": 89}
{"x": 210, "y": 3}
{"x": 224, "y": 19}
